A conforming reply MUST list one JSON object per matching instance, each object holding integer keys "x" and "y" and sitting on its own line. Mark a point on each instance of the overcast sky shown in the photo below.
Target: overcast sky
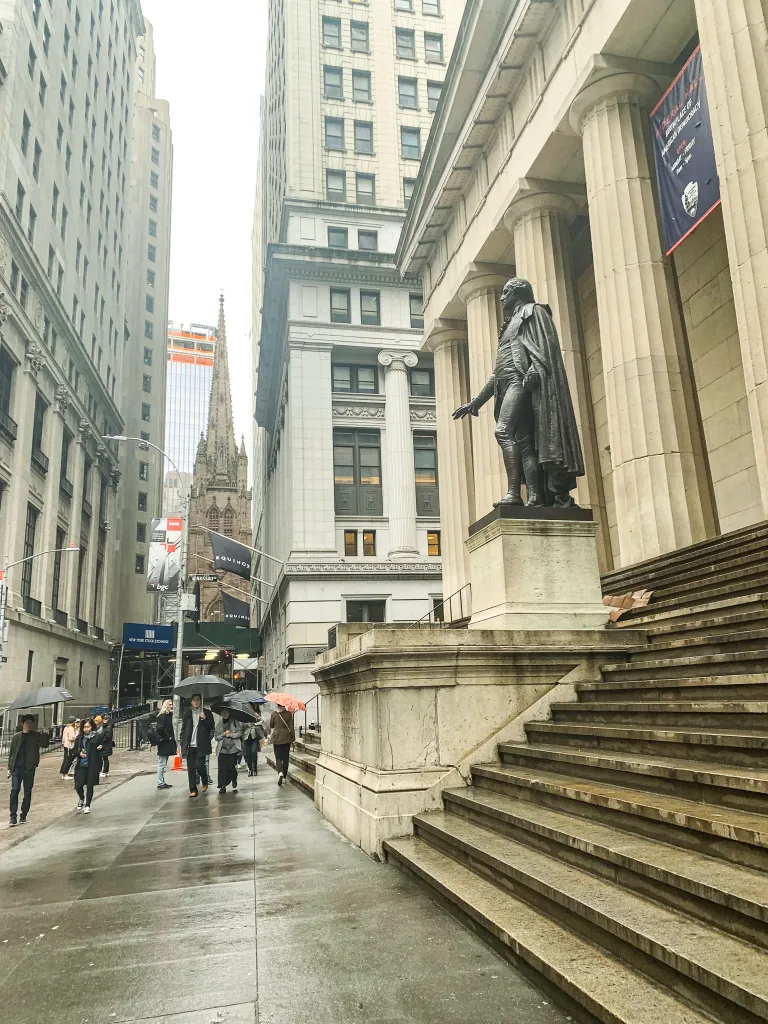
{"x": 210, "y": 67}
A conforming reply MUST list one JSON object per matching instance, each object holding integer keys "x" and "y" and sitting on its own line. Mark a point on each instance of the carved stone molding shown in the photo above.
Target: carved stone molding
{"x": 4, "y": 309}
{"x": 35, "y": 358}
{"x": 102, "y": 452}
{"x": 359, "y": 412}
{"x": 115, "y": 476}
{"x": 418, "y": 569}
{"x": 84, "y": 431}
{"x": 423, "y": 416}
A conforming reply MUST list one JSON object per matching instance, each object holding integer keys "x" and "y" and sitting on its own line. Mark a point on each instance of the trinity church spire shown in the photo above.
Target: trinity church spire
{"x": 221, "y": 447}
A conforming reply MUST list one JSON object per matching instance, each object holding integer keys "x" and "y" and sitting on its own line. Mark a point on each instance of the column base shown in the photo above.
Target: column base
{"x": 535, "y": 573}
{"x": 404, "y": 554}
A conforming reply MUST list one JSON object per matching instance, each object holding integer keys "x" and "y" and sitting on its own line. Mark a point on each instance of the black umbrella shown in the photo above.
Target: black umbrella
{"x": 206, "y": 686}
{"x": 247, "y": 697}
{"x": 39, "y": 698}
{"x": 238, "y": 711}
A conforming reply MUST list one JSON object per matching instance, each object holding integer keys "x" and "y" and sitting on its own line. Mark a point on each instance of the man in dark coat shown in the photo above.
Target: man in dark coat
{"x": 535, "y": 422}
{"x": 196, "y": 732}
{"x": 23, "y": 759}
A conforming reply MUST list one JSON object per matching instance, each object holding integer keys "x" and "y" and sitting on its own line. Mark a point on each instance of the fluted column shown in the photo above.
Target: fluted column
{"x": 662, "y": 502}
{"x": 734, "y": 48}
{"x": 400, "y": 480}
{"x": 448, "y": 342}
{"x": 542, "y": 255}
{"x": 481, "y": 293}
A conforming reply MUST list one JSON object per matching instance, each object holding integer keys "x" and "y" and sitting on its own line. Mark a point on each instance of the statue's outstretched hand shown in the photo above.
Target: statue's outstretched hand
{"x": 464, "y": 410}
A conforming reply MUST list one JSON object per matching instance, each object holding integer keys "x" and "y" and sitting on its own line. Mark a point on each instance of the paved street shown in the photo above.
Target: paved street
{"x": 240, "y": 908}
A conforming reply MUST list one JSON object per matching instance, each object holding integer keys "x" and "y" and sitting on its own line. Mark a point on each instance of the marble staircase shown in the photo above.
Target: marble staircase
{"x": 621, "y": 853}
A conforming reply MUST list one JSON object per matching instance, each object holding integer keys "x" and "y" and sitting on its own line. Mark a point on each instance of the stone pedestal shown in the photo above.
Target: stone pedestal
{"x": 535, "y": 568}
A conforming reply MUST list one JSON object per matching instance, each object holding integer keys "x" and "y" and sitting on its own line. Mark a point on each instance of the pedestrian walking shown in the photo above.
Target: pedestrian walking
{"x": 253, "y": 734}
{"x": 165, "y": 740}
{"x": 196, "y": 732}
{"x": 108, "y": 743}
{"x": 88, "y": 748}
{"x": 228, "y": 745}
{"x": 68, "y": 737}
{"x": 23, "y": 759}
{"x": 283, "y": 734}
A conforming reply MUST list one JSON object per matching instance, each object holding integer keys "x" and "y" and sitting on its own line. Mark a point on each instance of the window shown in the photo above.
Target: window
{"x": 23, "y": 292}
{"x": 350, "y": 543}
{"x": 146, "y": 383}
{"x": 364, "y": 137}
{"x": 417, "y": 310}
{"x": 36, "y": 161}
{"x": 30, "y": 529}
{"x": 151, "y": 278}
{"x": 31, "y": 61}
{"x": 7, "y": 367}
{"x": 14, "y": 276}
{"x": 149, "y": 329}
{"x": 42, "y": 91}
{"x": 422, "y": 383}
{"x": 142, "y": 503}
{"x": 434, "y": 89}
{"x": 369, "y": 543}
{"x": 156, "y": 132}
{"x": 338, "y": 238}
{"x": 143, "y": 471}
{"x": 433, "y": 48}
{"x": 425, "y": 467}
{"x": 153, "y": 204}
{"x": 365, "y": 185}
{"x": 340, "y": 306}
{"x": 433, "y": 543}
{"x": 408, "y": 92}
{"x": 31, "y": 223}
{"x": 56, "y": 583}
{"x": 152, "y": 228}
{"x": 405, "y": 43}
{"x": 368, "y": 240}
{"x": 141, "y": 533}
{"x": 359, "y": 36}
{"x": 38, "y": 424}
{"x": 404, "y": 5}
{"x": 332, "y": 32}
{"x": 151, "y": 253}
{"x": 155, "y": 157}
{"x": 20, "y": 195}
{"x": 149, "y": 303}
{"x": 361, "y": 86}
{"x": 154, "y": 179}
{"x": 140, "y": 565}
{"x": 366, "y": 611}
{"x": 147, "y": 356}
{"x": 430, "y": 7}
{"x": 36, "y": 12}
{"x": 410, "y": 143}
{"x": 369, "y": 309}
{"x": 66, "y": 444}
{"x": 26, "y": 125}
{"x": 30, "y": 657}
{"x": 145, "y": 412}
{"x": 333, "y": 83}
{"x": 355, "y": 379}
{"x": 64, "y": 218}
{"x": 336, "y": 186}
{"x": 357, "y": 472}
{"x": 334, "y": 133}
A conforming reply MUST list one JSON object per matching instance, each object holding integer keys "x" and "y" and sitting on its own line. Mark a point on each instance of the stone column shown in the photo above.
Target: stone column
{"x": 448, "y": 343}
{"x": 400, "y": 479}
{"x": 658, "y": 467}
{"x": 537, "y": 219}
{"x": 481, "y": 293}
{"x": 19, "y": 493}
{"x": 734, "y": 47}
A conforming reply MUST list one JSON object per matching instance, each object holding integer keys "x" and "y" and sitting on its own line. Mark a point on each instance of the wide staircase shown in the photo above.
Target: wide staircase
{"x": 621, "y": 854}
{"x": 303, "y": 761}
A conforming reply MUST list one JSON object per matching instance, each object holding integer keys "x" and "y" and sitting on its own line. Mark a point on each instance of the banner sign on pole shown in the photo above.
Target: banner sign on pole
{"x": 237, "y": 613}
{"x": 686, "y": 172}
{"x": 144, "y": 637}
{"x": 231, "y": 556}
{"x": 164, "y": 562}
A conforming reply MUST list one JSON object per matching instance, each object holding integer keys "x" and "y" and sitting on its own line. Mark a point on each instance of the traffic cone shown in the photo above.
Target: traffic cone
{"x": 176, "y": 762}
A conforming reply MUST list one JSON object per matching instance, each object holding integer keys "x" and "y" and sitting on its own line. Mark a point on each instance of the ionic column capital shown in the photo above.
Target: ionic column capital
{"x": 627, "y": 85}
{"x": 445, "y": 332}
{"x": 398, "y": 360}
{"x": 483, "y": 279}
{"x": 525, "y": 203}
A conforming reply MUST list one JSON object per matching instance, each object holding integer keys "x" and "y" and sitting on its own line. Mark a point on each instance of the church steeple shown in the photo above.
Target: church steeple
{"x": 221, "y": 446}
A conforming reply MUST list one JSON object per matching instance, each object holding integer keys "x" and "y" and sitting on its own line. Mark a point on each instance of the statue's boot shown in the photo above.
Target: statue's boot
{"x": 533, "y": 475}
{"x": 514, "y": 466}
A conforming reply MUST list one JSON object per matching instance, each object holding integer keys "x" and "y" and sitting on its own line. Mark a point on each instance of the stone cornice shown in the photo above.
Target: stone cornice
{"x": 404, "y": 570}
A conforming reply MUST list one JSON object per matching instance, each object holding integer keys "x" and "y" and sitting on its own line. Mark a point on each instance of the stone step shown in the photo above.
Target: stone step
{"x": 677, "y": 613}
{"x": 728, "y": 784}
{"x": 305, "y": 762}
{"x": 723, "y": 746}
{"x": 739, "y": 836}
{"x": 700, "y": 595}
{"x": 701, "y": 962}
{"x": 592, "y": 978}
{"x": 731, "y": 896}
{"x": 733, "y": 641}
{"x": 707, "y": 625}
{"x": 310, "y": 749}
{"x": 749, "y": 686}
{"x": 712, "y": 714}
{"x": 696, "y": 664}
{"x": 705, "y": 566}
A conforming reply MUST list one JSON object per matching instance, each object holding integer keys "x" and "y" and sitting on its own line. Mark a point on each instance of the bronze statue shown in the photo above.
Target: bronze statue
{"x": 535, "y": 424}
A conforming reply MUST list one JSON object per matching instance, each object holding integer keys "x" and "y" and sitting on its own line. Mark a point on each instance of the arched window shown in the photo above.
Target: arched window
{"x": 229, "y": 523}
{"x": 213, "y": 519}
{"x": 215, "y": 611}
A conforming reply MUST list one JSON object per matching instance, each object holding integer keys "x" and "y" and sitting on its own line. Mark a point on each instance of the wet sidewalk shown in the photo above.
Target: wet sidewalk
{"x": 236, "y": 909}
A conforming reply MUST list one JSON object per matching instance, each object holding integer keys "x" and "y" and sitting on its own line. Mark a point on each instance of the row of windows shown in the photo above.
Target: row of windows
{"x": 405, "y": 40}
{"x": 357, "y": 473}
{"x": 364, "y": 380}
{"x": 335, "y": 138}
{"x": 368, "y": 537}
{"x": 407, "y": 88}
{"x": 365, "y": 188}
{"x": 367, "y": 241}
{"x": 370, "y": 308}
{"x": 427, "y": 6}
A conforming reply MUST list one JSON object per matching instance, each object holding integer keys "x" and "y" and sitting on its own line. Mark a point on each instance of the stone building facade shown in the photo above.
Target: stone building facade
{"x": 66, "y": 93}
{"x": 345, "y": 467}
{"x": 540, "y": 163}
{"x": 220, "y": 497}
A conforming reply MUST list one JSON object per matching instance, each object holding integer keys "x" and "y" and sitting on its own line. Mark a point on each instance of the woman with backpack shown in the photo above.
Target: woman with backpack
{"x": 162, "y": 736}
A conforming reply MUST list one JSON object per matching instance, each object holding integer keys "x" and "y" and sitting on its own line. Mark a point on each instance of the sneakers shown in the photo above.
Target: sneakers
{"x": 165, "y": 785}
{"x": 12, "y": 823}
{"x": 23, "y": 819}
{"x": 222, "y": 790}
{"x": 102, "y": 775}
{"x": 234, "y": 786}
{"x": 280, "y": 779}
{"x": 204, "y": 789}
{"x": 79, "y": 805}
{"x": 86, "y": 810}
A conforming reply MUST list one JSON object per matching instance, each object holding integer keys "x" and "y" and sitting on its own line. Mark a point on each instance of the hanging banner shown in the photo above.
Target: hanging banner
{"x": 236, "y": 613}
{"x": 229, "y": 555}
{"x": 689, "y": 188}
{"x": 164, "y": 561}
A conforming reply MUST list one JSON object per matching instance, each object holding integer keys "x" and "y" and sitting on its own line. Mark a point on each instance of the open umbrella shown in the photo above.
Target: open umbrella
{"x": 206, "y": 686}
{"x": 287, "y": 701}
{"x": 248, "y": 696}
{"x": 39, "y": 698}
{"x": 239, "y": 711}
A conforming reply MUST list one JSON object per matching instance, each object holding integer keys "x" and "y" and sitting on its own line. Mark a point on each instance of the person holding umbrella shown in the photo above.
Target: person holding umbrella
{"x": 282, "y": 731}
{"x": 196, "y": 733}
{"x": 68, "y": 737}
{"x": 253, "y": 734}
{"x": 228, "y": 745}
{"x": 23, "y": 759}
{"x": 88, "y": 747}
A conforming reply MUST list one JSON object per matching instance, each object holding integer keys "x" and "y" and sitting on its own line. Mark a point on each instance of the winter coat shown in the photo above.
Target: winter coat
{"x": 164, "y": 726}
{"x": 68, "y": 737}
{"x": 108, "y": 743}
{"x": 204, "y": 732}
{"x": 90, "y": 773}
{"x": 42, "y": 740}
{"x": 281, "y": 727}
{"x": 228, "y": 744}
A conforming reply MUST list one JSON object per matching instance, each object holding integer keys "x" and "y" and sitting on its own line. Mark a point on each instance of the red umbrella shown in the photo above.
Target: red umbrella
{"x": 287, "y": 701}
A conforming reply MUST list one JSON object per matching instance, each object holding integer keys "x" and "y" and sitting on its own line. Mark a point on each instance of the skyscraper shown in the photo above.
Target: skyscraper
{"x": 345, "y": 465}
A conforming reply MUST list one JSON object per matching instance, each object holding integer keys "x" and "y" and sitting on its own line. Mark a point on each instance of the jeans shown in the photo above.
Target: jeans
{"x": 282, "y": 754}
{"x": 105, "y": 764}
{"x": 251, "y": 754}
{"x": 25, "y": 776}
{"x": 162, "y": 761}
{"x": 227, "y": 770}
{"x": 85, "y": 792}
{"x": 196, "y": 765}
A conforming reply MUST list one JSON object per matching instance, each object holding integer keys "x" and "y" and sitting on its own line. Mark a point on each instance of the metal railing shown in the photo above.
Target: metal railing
{"x": 39, "y": 459}
{"x": 60, "y": 616}
{"x": 310, "y": 724}
{"x": 455, "y": 608}
{"x": 8, "y": 427}
{"x": 31, "y": 606}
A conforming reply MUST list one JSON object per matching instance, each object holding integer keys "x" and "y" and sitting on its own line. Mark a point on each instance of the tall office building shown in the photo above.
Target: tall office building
{"x": 189, "y": 359}
{"x": 345, "y": 464}
{"x": 144, "y": 366}
{"x": 66, "y": 93}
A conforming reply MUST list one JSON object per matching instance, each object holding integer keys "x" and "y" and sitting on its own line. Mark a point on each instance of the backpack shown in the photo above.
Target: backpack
{"x": 155, "y": 739}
